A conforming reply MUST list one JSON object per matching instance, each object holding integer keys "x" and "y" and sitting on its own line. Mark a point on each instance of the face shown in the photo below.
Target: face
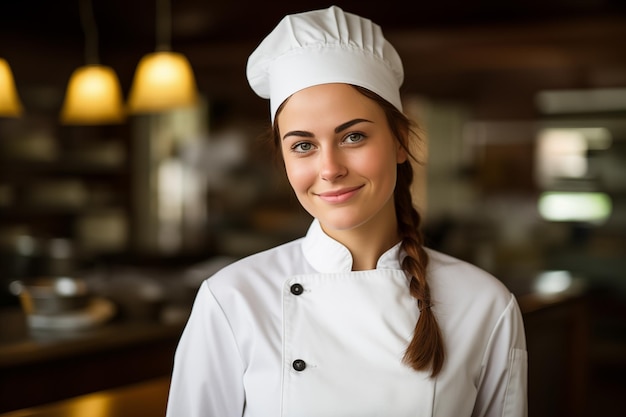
{"x": 340, "y": 156}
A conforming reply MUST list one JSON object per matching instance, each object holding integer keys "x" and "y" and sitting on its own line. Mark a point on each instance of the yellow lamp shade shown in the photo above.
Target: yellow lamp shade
{"x": 163, "y": 80}
{"x": 93, "y": 96}
{"x": 10, "y": 104}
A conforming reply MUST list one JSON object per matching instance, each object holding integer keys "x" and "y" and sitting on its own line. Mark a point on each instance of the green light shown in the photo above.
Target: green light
{"x": 575, "y": 206}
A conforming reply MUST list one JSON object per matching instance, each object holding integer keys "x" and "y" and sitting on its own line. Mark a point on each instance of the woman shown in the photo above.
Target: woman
{"x": 357, "y": 318}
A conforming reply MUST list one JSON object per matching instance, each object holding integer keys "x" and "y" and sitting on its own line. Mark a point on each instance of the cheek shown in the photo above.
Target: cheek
{"x": 299, "y": 175}
{"x": 376, "y": 164}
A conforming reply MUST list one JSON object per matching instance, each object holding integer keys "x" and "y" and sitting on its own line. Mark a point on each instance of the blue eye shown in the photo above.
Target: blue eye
{"x": 354, "y": 137}
{"x": 302, "y": 147}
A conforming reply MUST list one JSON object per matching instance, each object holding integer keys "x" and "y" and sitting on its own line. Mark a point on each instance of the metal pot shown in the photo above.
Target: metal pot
{"x": 51, "y": 295}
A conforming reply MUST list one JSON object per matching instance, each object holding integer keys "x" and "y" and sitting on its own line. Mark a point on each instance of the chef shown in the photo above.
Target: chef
{"x": 357, "y": 318}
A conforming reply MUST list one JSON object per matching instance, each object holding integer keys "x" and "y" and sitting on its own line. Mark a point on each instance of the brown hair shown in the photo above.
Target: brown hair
{"x": 426, "y": 349}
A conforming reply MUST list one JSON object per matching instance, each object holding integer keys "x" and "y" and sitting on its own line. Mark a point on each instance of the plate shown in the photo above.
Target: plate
{"x": 97, "y": 312}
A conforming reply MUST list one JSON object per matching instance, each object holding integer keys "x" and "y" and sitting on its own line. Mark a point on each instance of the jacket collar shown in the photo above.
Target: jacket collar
{"x": 327, "y": 255}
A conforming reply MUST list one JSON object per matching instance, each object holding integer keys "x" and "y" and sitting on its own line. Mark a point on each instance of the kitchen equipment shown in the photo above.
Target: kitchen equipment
{"x": 51, "y": 295}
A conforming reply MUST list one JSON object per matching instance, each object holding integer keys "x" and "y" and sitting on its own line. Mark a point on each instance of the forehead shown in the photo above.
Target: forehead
{"x": 328, "y": 102}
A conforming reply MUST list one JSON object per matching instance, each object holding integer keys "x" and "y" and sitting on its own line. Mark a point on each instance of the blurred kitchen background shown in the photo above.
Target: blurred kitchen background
{"x": 522, "y": 107}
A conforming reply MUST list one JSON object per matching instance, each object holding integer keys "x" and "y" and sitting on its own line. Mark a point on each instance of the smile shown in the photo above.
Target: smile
{"x": 339, "y": 196}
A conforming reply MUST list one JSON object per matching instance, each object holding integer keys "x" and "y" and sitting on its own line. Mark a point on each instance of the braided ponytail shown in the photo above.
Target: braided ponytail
{"x": 426, "y": 349}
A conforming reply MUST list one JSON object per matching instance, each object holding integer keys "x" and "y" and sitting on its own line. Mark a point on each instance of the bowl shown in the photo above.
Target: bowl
{"x": 51, "y": 295}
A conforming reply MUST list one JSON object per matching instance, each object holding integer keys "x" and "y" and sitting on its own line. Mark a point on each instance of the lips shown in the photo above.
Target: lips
{"x": 339, "y": 196}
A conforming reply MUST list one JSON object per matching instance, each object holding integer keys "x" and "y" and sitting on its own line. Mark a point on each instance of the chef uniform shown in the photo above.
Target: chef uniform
{"x": 294, "y": 332}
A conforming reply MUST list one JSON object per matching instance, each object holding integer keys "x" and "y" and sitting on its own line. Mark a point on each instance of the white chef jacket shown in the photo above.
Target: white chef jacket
{"x": 294, "y": 332}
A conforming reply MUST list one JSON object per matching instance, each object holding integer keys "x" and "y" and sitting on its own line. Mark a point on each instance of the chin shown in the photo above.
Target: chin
{"x": 341, "y": 223}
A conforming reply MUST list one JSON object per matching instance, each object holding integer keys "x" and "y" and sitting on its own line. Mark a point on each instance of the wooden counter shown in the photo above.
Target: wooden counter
{"x": 39, "y": 367}
{"x": 145, "y": 399}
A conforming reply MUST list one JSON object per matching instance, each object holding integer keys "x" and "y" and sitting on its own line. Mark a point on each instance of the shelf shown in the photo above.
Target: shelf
{"x": 62, "y": 166}
{"x": 71, "y": 182}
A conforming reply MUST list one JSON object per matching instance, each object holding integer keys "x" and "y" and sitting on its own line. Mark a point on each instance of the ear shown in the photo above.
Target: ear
{"x": 401, "y": 154}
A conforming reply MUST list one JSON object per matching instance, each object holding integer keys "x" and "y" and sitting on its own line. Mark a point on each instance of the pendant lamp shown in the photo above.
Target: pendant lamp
{"x": 93, "y": 95}
{"x": 10, "y": 104}
{"x": 163, "y": 79}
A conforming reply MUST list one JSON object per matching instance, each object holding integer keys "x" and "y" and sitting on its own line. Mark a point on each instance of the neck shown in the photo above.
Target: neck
{"x": 367, "y": 242}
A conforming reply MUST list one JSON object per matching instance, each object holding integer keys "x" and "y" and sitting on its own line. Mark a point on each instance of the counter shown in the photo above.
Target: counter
{"x": 144, "y": 399}
{"x": 38, "y": 367}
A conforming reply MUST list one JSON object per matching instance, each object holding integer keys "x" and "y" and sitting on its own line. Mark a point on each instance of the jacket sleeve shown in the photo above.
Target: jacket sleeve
{"x": 207, "y": 379}
{"x": 502, "y": 390}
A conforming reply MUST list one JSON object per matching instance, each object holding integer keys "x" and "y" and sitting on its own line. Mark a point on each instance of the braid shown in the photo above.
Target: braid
{"x": 426, "y": 348}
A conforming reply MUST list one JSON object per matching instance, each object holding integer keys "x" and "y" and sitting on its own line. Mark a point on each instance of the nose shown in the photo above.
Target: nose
{"x": 332, "y": 166}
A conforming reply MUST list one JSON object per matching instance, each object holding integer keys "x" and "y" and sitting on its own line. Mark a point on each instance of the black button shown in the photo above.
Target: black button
{"x": 297, "y": 289}
{"x": 299, "y": 365}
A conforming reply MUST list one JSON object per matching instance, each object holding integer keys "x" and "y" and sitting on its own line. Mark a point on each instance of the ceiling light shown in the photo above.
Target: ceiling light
{"x": 93, "y": 94}
{"x": 163, "y": 80}
{"x": 10, "y": 104}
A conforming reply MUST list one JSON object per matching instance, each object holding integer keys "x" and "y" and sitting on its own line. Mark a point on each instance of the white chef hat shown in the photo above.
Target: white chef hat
{"x": 320, "y": 47}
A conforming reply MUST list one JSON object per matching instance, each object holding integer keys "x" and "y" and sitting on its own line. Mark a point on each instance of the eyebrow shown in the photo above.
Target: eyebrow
{"x": 338, "y": 129}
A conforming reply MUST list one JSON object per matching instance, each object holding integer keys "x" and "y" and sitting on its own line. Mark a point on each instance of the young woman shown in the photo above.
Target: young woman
{"x": 357, "y": 318}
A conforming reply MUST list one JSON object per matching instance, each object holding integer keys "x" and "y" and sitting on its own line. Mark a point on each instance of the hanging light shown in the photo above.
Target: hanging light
{"x": 163, "y": 79}
{"x": 93, "y": 93}
{"x": 10, "y": 104}
{"x": 93, "y": 96}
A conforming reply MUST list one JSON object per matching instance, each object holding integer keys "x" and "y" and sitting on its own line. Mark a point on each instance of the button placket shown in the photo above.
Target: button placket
{"x": 298, "y": 365}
